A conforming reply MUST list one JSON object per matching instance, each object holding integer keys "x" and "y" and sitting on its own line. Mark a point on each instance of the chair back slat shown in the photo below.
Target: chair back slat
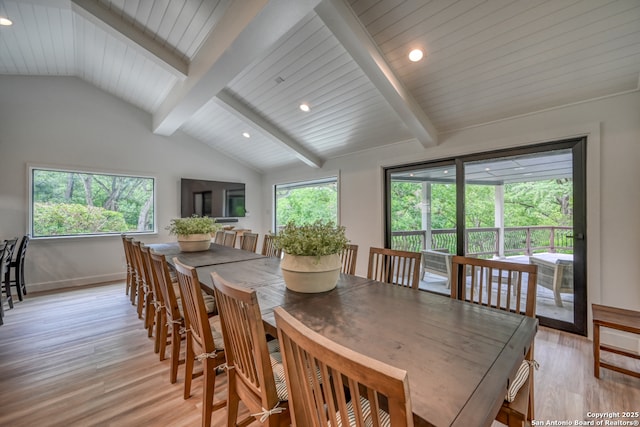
{"x": 219, "y": 238}
{"x": 396, "y": 267}
{"x": 348, "y": 258}
{"x": 330, "y": 384}
{"x": 503, "y": 285}
{"x": 165, "y": 285}
{"x": 195, "y": 313}
{"x": 229, "y": 238}
{"x": 249, "y": 241}
{"x": 268, "y": 249}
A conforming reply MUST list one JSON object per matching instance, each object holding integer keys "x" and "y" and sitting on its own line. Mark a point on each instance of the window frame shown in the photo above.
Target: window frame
{"x": 30, "y": 200}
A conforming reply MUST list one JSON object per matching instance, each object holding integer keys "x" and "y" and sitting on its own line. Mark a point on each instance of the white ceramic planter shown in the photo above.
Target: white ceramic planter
{"x": 310, "y": 274}
{"x": 194, "y": 242}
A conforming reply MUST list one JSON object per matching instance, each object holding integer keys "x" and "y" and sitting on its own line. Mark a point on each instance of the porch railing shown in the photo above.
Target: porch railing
{"x": 485, "y": 241}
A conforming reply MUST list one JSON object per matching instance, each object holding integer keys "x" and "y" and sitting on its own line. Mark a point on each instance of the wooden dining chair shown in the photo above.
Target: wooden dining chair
{"x": 139, "y": 285}
{"x": 249, "y": 241}
{"x": 3, "y": 244}
{"x": 171, "y": 321}
{"x": 330, "y": 383}
{"x": 204, "y": 340}
{"x": 229, "y": 238}
{"x": 396, "y": 267}
{"x": 157, "y": 306}
{"x": 510, "y": 287}
{"x": 255, "y": 373}
{"x": 348, "y": 258}
{"x": 268, "y": 249}
{"x": 17, "y": 267}
{"x": 144, "y": 290}
{"x": 219, "y": 237}
{"x": 126, "y": 242}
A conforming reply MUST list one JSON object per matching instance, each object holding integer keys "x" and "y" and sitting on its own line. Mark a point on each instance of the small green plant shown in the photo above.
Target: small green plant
{"x": 192, "y": 225}
{"x": 315, "y": 239}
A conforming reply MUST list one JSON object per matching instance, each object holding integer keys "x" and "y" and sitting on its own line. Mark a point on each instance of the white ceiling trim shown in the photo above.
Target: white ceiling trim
{"x": 346, "y": 27}
{"x": 114, "y": 25}
{"x": 247, "y": 30}
{"x": 234, "y": 106}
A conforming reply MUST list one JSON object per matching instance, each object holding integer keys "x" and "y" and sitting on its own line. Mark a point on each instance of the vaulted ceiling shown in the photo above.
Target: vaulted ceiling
{"x": 216, "y": 69}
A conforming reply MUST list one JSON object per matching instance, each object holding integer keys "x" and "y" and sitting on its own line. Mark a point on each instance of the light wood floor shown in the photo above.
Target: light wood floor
{"x": 82, "y": 358}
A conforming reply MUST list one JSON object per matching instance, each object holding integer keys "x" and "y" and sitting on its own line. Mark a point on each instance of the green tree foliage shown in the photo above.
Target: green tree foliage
{"x": 64, "y": 219}
{"x": 306, "y": 205}
{"x": 130, "y": 197}
{"x": 548, "y": 202}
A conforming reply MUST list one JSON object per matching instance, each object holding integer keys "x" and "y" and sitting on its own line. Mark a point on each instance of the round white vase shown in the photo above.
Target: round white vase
{"x": 310, "y": 274}
{"x": 194, "y": 242}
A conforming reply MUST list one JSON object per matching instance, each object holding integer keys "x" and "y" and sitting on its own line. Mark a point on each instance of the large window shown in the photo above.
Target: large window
{"x": 306, "y": 202}
{"x": 67, "y": 203}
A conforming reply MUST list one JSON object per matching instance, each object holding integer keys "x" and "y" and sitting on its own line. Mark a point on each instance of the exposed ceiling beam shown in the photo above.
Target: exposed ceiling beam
{"x": 240, "y": 109}
{"x": 104, "y": 18}
{"x": 247, "y": 30}
{"x": 345, "y": 25}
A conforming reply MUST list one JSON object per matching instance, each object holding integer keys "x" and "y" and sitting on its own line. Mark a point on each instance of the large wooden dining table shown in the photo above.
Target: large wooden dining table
{"x": 459, "y": 357}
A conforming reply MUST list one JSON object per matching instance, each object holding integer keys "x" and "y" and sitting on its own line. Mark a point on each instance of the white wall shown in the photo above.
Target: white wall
{"x": 65, "y": 122}
{"x": 613, "y": 174}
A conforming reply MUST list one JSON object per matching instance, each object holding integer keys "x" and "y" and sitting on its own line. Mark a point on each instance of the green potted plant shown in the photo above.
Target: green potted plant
{"x": 311, "y": 260}
{"x": 193, "y": 233}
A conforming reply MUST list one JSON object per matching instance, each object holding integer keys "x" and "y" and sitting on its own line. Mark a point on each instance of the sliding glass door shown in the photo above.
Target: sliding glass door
{"x": 422, "y": 218}
{"x": 525, "y": 205}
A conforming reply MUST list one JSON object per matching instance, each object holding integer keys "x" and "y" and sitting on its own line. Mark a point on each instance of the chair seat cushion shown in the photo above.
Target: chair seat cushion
{"x": 521, "y": 377}
{"x": 278, "y": 370}
{"x": 209, "y": 304}
{"x": 216, "y": 327}
{"x": 385, "y": 419}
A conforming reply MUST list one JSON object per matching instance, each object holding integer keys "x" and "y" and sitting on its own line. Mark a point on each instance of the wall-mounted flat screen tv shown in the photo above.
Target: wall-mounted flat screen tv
{"x": 216, "y": 199}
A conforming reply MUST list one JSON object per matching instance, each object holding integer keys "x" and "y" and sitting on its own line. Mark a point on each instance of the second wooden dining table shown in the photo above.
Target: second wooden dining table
{"x": 459, "y": 357}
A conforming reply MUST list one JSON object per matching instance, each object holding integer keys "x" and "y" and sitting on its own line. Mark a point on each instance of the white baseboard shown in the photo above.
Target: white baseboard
{"x": 75, "y": 282}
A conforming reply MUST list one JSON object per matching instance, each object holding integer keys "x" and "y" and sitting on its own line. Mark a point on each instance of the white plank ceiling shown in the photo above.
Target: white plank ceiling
{"x": 217, "y": 68}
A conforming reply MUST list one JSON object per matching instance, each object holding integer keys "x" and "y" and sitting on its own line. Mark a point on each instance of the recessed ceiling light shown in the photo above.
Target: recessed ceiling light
{"x": 305, "y": 107}
{"x": 4, "y": 21}
{"x": 415, "y": 55}
{"x": 246, "y": 134}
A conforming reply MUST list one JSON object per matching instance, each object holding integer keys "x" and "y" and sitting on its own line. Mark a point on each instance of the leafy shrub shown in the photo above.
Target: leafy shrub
{"x": 316, "y": 239}
{"x": 63, "y": 219}
{"x": 192, "y": 225}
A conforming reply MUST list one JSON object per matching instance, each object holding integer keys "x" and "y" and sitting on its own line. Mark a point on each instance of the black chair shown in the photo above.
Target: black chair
{"x": 2, "y": 246}
{"x": 18, "y": 268}
{"x": 5, "y": 268}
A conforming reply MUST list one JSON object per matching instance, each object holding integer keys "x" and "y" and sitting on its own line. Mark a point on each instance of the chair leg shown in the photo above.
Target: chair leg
{"x": 208, "y": 386}
{"x": 233, "y": 400}
{"x": 18, "y": 282}
{"x": 1, "y": 309}
{"x": 149, "y": 314}
{"x": 188, "y": 368}
{"x": 158, "y": 325}
{"x": 176, "y": 341}
{"x": 141, "y": 299}
{"x": 7, "y": 288}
